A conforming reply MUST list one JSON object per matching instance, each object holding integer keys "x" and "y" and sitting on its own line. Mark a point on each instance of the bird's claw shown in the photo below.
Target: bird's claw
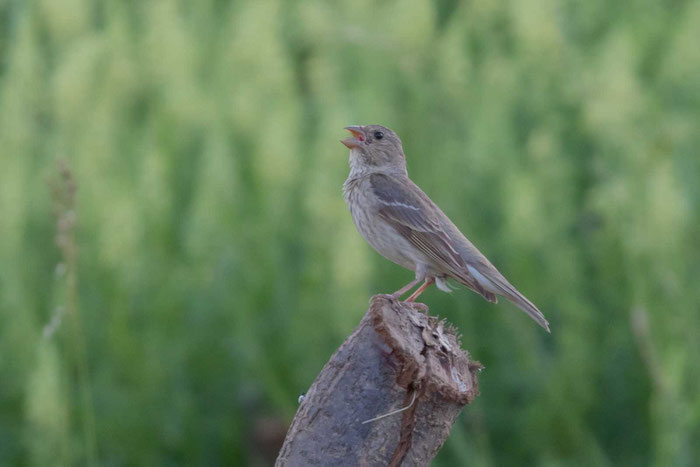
{"x": 418, "y": 306}
{"x": 395, "y": 298}
{"x": 388, "y": 296}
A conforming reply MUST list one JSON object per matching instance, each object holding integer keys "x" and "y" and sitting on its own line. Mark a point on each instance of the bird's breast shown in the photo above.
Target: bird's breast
{"x": 375, "y": 230}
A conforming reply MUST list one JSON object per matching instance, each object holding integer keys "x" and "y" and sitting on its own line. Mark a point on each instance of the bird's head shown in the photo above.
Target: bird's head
{"x": 374, "y": 148}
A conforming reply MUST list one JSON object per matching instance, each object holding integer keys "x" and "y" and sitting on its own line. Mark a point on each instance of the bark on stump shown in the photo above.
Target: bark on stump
{"x": 397, "y": 357}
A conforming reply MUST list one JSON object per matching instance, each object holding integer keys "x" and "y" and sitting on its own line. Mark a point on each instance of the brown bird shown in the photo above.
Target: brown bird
{"x": 407, "y": 227}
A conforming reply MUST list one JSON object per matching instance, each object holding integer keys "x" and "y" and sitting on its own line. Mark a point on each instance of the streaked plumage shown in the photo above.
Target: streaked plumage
{"x": 405, "y": 226}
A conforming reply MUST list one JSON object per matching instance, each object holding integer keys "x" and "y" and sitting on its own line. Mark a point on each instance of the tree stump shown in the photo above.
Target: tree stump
{"x": 397, "y": 358}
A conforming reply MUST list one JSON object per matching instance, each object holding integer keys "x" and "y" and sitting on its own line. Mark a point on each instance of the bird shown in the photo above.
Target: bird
{"x": 405, "y": 226}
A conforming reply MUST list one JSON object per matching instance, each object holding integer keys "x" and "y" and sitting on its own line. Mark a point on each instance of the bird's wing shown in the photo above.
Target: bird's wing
{"x": 416, "y": 218}
{"x": 405, "y": 207}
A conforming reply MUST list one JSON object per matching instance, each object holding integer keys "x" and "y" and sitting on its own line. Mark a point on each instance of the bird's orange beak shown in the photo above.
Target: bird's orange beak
{"x": 358, "y": 137}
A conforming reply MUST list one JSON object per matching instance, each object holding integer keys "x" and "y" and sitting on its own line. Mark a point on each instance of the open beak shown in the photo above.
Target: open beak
{"x": 358, "y": 137}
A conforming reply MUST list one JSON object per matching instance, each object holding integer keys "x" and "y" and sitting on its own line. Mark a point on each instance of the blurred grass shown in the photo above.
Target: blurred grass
{"x": 218, "y": 267}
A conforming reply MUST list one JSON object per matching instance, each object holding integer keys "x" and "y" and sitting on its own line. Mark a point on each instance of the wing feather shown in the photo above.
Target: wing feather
{"x": 416, "y": 218}
{"x": 405, "y": 207}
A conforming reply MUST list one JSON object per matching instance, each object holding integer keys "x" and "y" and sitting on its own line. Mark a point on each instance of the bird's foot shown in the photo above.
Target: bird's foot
{"x": 395, "y": 298}
{"x": 418, "y": 306}
{"x": 389, "y": 296}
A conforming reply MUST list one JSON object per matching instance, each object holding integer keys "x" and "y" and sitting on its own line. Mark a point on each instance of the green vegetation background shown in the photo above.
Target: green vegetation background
{"x": 218, "y": 267}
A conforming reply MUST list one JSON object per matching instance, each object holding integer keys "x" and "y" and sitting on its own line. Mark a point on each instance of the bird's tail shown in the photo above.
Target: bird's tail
{"x": 498, "y": 284}
{"x": 528, "y": 307}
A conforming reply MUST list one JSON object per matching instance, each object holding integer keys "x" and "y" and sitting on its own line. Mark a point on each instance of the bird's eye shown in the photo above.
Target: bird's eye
{"x": 378, "y": 135}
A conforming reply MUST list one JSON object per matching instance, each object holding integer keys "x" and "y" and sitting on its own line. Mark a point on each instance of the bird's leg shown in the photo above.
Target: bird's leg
{"x": 405, "y": 289}
{"x": 420, "y": 289}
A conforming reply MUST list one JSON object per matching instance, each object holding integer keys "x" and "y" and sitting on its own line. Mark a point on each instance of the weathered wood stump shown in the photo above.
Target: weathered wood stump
{"x": 397, "y": 358}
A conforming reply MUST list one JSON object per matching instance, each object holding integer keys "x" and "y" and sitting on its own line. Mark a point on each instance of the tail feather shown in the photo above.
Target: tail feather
{"x": 528, "y": 307}
{"x": 498, "y": 284}
{"x": 471, "y": 282}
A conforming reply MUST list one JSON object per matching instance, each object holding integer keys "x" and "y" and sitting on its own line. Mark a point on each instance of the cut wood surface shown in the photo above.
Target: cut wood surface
{"x": 397, "y": 358}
